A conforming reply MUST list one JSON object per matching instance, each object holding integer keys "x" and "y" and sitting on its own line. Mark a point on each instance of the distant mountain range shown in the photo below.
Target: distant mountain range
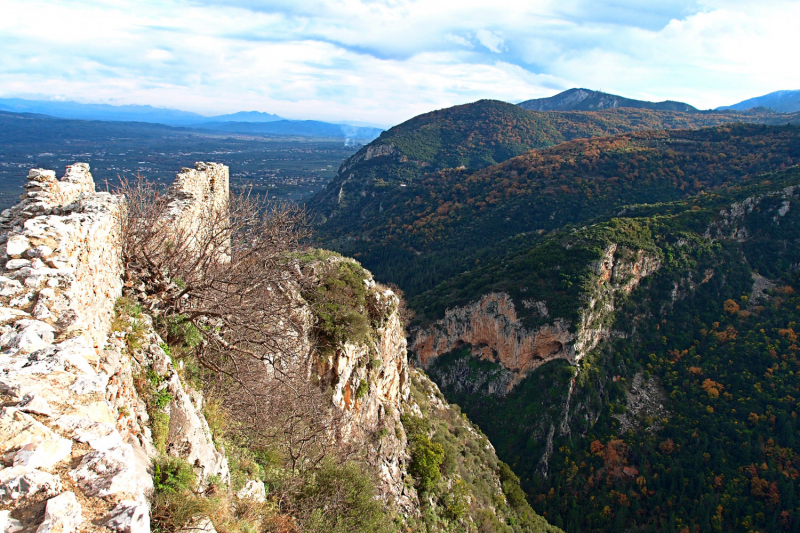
{"x": 781, "y": 101}
{"x": 588, "y": 100}
{"x": 247, "y": 122}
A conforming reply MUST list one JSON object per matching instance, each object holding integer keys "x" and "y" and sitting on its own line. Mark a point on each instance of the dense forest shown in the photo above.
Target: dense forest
{"x": 721, "y": 349}
{"x": 683, "y": 419}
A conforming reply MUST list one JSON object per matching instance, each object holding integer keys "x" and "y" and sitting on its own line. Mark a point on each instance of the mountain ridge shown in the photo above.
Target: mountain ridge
{"x": 589, "y": 100}
{"x": 781, "y": 101}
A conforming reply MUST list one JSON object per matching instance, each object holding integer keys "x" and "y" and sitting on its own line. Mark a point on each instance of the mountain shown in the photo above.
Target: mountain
{"x": 588, "y": 100}
{"x": 248, "y": 122}
{"x": 302, "y": 128}
{"x": 616, "y": 313}
{"x": 398, "y": 203}
{"x": 123, "y": 113}
{"x": 245, "y": 116}
{"x": 781, "y": 101}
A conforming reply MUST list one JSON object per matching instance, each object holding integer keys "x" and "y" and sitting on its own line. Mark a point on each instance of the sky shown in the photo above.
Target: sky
{"x": 384, "y": 61}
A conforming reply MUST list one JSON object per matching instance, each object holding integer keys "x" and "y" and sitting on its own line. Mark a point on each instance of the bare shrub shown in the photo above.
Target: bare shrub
{"x": 225, "y": 285}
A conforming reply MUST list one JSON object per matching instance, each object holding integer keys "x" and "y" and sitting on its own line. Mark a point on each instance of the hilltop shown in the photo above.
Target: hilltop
{"x": 588, "y": 100}
{"x": 781, "y": 101}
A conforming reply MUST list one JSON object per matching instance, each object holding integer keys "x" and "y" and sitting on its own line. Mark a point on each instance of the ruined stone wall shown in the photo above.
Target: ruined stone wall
{"x": 69, "y": 456}
{"x": 197, "y": 194}
{"x": 75, "y": 441}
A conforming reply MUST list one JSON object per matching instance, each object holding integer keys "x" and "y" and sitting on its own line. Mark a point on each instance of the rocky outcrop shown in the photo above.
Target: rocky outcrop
{"x": 370, "y": 384}
{"x": 73, "y": 429}
{"x": 492, "y": 329}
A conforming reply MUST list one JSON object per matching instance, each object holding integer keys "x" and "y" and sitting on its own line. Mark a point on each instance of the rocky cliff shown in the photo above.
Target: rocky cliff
{"x": 492, "y": 330}
{"x": 90, "y": 396}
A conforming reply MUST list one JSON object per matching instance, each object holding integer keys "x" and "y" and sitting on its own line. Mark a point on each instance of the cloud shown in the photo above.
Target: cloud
{"x": 383, "y": 61}
{"x": 490, "y": 40}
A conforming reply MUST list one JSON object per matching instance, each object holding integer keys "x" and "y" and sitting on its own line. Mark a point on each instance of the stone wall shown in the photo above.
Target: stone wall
{"x": 75, "y": 440}
{"x": 69, "y": 455}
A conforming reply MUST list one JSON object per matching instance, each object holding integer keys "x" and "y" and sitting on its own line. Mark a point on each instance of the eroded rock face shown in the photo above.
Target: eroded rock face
{"x": 493, "y": 330}
{"x": 370, "y": 385}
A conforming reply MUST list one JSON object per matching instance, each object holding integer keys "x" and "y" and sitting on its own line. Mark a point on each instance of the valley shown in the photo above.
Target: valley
{"x": 282, "y": 167}
{"x": 610, "y": 299}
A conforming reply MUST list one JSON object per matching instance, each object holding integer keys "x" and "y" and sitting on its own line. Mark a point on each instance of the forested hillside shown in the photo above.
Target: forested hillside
{"x": 686, "y": 416}
{"x": 668, "y": 402}
{"x": 475, "y": 136}
{"x": 410, "y": 237}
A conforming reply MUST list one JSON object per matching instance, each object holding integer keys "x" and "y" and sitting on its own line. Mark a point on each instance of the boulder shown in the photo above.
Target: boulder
{"x": 18, "y": 429}
{"x": 106, "y": 472}
{"x": 34, "y": 403}
{"x": 253, "y": 490}
{"x": 199, "y": 525}
{"x": 62, "y": 514}
{"x": 43, "y": 454}
{"x": 129, "y": 516}
{"x": 190, "y": 437}
{"x": 22, "y": 482}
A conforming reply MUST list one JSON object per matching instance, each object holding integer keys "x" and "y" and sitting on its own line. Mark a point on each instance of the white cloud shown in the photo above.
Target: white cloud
{"x": 490, "y": 40}
{"x": 385, "y": 61}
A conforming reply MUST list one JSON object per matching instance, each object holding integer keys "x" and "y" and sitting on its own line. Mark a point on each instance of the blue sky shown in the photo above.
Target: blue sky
{"x": 384, "y": 61}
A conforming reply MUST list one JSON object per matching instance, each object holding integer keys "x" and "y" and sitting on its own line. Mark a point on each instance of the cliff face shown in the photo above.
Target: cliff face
{"x": 369, "y": 383}
{"x": 492, "y": 329}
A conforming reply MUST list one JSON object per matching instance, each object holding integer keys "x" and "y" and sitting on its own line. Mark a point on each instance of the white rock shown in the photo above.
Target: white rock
{"x": 6, "y": 313}
{"x": 129, "y": 516}
{"x": 9, "y": 287}
{"x": 106, "y": 472}
{"x": 43, "y": 454}
{"x": 8, "y": 524}
{"x": 41, "y": 312}
{"x": 18, "y": 429}
{"x": 15, "y": 264}
{"x": 40, "y": 251}
{"x": 62, "y": 514}
{"x": 21, "y": 482}
{"x": 199, "y": 525}
{"x": 16, "y": 245}
{"x": 253, "y": 490}
{"x": 90, "y": 384}
{"x": 190, "y": 435}
{"x": 21, "y": 301}
{"x": 101, "y": 412}
{"x": 36, "y": 404}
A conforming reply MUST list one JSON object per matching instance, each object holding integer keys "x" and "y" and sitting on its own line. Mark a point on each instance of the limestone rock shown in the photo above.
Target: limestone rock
{"x": 22, "y": 482}
{"x": 36, "y": 404}
{"x": 253, "y": 490}
{"x": 190, "y": 437}
{"x": 106, "y": 472}
{"x": 7, "y": 313}
{"x": 90, "y": 384}
{"x": 17, "y": 245}
{"x": 43, "y": 454}
{"x": 62, "y": 514}
{"x": 18, "y": 429}
{"x": 98, "y": 435}
{"x": 129, "y": 516}
{"x": 97, "y": 411}
{"x": 199, "y": 525}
